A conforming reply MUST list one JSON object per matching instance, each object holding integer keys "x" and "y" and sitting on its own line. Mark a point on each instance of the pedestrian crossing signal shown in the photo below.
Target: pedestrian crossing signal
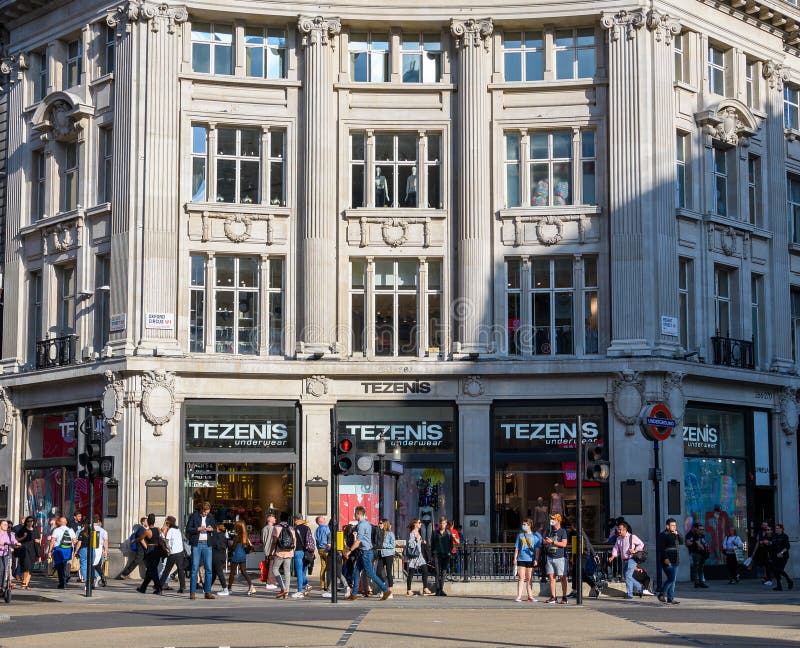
{"x": 343, "y": 462}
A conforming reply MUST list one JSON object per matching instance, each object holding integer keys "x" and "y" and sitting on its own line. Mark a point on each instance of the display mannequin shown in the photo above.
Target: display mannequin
{"x": 381, "y": 190}
{"x": 411, "y": 189}
{"x": 556, "y": 500}
{"x": 540, "y": 515}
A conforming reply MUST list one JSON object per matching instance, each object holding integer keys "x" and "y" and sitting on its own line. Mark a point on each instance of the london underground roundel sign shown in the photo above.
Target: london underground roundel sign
{"x": 657, "y": 422}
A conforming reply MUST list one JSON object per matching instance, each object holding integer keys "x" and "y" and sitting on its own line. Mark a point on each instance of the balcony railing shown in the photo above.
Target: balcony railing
{"x": 733, "y": 353}
{"x": 56, "y": 352}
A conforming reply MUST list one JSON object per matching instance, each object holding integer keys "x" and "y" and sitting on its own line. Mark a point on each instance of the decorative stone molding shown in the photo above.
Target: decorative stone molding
{"x": 675, "y": 398}
{"x": 775, "y": 74}
{"x": 112, "y": 401}
{"x": 158, "y": 398}
{"x": 664, "y": 27}
{"x": 318, "y": 30}
{"x": 61, "y": 117}
{"x": 237, "y": 227}
{"x": 317, "y": 386}
{"x": 472, "y": 32}
{"x": 628, "y": 22}
{"x": 549, "y": 230}
{"x": 730, "y": 122}
{"x": 728, "y": 238}
{"x": 62, "y": 237}
{"x": 472, "y": 386}
{"x": 158, "y": 15}
{"x": 13, "y": 66}
{"x": 628, "y": 399}
{"x": 6, "y": 415}
{"x": 394, "y": 231}
{"x": 789, "y": 412}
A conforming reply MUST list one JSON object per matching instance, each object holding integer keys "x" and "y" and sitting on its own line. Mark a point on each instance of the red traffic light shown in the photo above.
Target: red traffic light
{"x": 345, "y": 445}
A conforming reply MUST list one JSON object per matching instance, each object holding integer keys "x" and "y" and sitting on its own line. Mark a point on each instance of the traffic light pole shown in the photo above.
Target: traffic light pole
{"x": 333, "y": 556}
{"x": 92, "y": 533}
{"x": 578, "y": 584}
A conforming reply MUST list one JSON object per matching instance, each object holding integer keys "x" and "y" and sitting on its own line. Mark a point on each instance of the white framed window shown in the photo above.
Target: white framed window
{"x": 720, "y": 180}
{"x": 433, "y": 170}
{"x": 795, "y": 324}
{"x": 197, "y": 303}
{"x": 396, "y": 169}
{"x": 238, "y": 162}
{"x": 212, "y": 48}
{"x": 722, "y": 301}
{"x": 358, "y": 161}
{"x": 591, "y": 322}
{"x": 750, "y": 80}
{"x": 681, "y": 142}
{"x": 588, "y": 166}
{"x": 265, "y": 52}
{"x": 69, "y": 177}
{"x": 106, "y": 159}
{"x": 358, "y": 306}
{"x": 679, "y": 57}
{"x": 42, "y": 78}
{"x": 199, "y": 163}
{"x": 369, "y": 57}
{"x": 422, "y": 58}
{"x": 39, "y": 185}
{"x": 756, "y": 315}
{"x": 235, "y": 295}
{"x": 575, "y": 53}
{"x": 109, "y": 44}
{"x": 276, "y": 156}
{"x": 512, "y": 170}
{"x": 754, "y": 189}
{"x": 102, "y": 301}
{"x": 716, "y": 70}
{"x": 791, "y": 106}
{"x": 523, "y": 56}
{"x": 34, "y": 312}
{"x": 793, "y": 190}
{"x": 552, "y": 296}
{"x": 685, "y": 304}
{"x": 65, "y": 310}
{"x": 551, "y": 168}
{"x": 74, "y": 67}
{"x": 396, "y": 307}
{"x": 275, "y": 289}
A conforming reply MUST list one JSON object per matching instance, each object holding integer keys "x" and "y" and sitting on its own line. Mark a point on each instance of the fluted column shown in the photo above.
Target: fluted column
{"x": 781, "y": 311}
{"x": 318, "y": 180}
{"x": 473, "y": 308}
{"x": 627, "y": 90}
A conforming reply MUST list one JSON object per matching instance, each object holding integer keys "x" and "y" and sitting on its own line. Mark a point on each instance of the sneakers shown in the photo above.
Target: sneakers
{"x": 298, "y": 595}
{"x": 326, "y": 595}
{"x": 647, "y": 592}
{"x": 348, "y": 592}
{"x": 562, "y": 600}
{"x": 223, "y": 592}
{"x": 552, "y": 601}
{"x": 518, "y": 600}
{"x": 768, "y": 583}
{"x": 387, "y": 595}
{"x": 532, "y": 600}
{"x": 251, "y": 591}
{"x": 270, "y": 587}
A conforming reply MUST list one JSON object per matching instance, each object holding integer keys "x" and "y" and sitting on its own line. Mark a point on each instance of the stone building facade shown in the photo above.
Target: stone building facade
{"x": 471, "y": 229}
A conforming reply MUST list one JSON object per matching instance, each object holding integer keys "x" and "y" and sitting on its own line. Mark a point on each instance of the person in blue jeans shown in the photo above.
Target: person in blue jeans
{"x": 304, "y": 540}
{"x": 199, "y": 529}
{"x": 625, "y": 546}
{"x": 362, "y": 546}
{"x": 668, "y": 557}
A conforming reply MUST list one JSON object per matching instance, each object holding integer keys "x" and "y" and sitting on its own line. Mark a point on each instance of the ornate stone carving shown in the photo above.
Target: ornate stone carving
{"x": 549, "y": 230}
{"x": 158, "y": 15}
{"x": 664, "y": 27}
{"x": 675, "y": 398}
{"x": 623, "y": 21}
{"x": 472, "y": 386}
{"x": 62, "y": 126}
{"x": 472, "y": 32}
{"x": 6, "y": 415}
{"x": 628, "y": 399}
{"x": 317, "y": 386}
{"x": 788, "y": 412}
{"x": 158, "y": 398}
{"x": 13, "y": 66}
{"x": 62, "y": 237}
{"x": 318, "y": 30}
{"x": 238, "y": 227}
{"x": 394, "y": 232}
{"x": 112, "y": 401}
{"x": 730, "y": 122}
{"x": 775, "y": 74}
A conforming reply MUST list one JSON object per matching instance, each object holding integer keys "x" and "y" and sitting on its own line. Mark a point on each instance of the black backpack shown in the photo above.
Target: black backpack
{"x": 286, "y": 539}
{"x": 377, "y": 536}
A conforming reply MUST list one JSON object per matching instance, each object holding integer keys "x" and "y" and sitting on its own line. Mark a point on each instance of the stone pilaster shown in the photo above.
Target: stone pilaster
{"x": 474, "y": 298}
{"x": 775, "y": 161}
{"x": 318, "y": 182}
{"x": 626, "y": 78}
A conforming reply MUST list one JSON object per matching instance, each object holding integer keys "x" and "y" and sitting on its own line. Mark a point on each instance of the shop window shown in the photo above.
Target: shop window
{"x": 69, "y": 177}
{"x": 681, "y": 147}
{"x": 754, "y": 189}
{"x": 723, "y": 301}
{"x": 422, "y": 58}
{"x": 106, "y": 170}
{"x": 793, "y": 190}
{"x": 39, "y": 185}
{"x": 791, "y": 106}
{"x": 369, "y": 57}
{"x": 65, "y": 276}
{"x": 108, "y": 45}
{"x": 523, "y": 56}
{"x": 716, "y": 70}
{"x": 265, "y": 52}
{"x": 74, "y": 63}
{"x": 685, "y": 303}
{"x": 102, "y": 301}
{"x": 212, "y": 47}
{"x": 575, "y": 53}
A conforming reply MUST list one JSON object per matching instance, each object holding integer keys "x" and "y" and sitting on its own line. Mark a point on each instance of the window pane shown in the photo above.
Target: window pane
{"x": 357, "y": 186}
{"x": 249, "y": 182}
{"x": 378, "y": 66}
{"x": 407, "y": 273}
{"x": 357, "y": 273}
{"x": 226, "y": 141}
{"x": 411, "y": 68}
{"x": 225, "y": 272}
{"x": 198, "y": 139}
{"x": 534, "y": 66}
{"x": 512, "y": 40}
{"x": 408, "y": 185}
{"x": 585, "y": 37}
{"x": 254, "y": 36}
{"x": 407, "y": 325}
{"x": 357, "y": 322}
{"x": 434, "y": 275}
{"x": 563, "y": 272}
{"x": 277, "y": 195}
{"x": 201, "y": 31}
{"x": 358, "y": 42}
{"x": 384, "y": 273}
{"x": 224, "y": 322}
{"x": 512, "y": 147}
{"x": 276, "y": 143}
{"x": 514, "y": 272}
{"x": 434, "y": 144}
{"x": 226, "y": 181}
{"x": 248, "y": 323}
{"x": 198, "y": 270}
{"x": 539, "y": 146}
{"x": 585, "y": 63}
{"x": 275, "y": 323}
{"x": 588, "y": 184}
{"x": 276, "y": 273}
{"x": 434, "y": 187}
{"x": 384, "y": 147}
{"x": 721, "y": 188}
{"x": 432, "y": 42}
{"x": 562, "y": 144}
{"x": 276, "y": 63}
{"x": 407, "y": 147}
{"x": 563, "y": 322}
{"x": 534, "y": 39}
{"x": 514, "y": 323}
{"x": 359, "y": 65}
{"x": 199, "y": 180}
{"x": 410, "y": 42}
{"x": 589, "y": 271}
{"x": 591, "y": 324}
{"x": 431, "y": 67}
{"x": 384, "y": 325}
{"x": 248, "y": 272}
{"x": 513, "y": 66}
{"x": 251, "y": 142}
{"x": 561, "y": 183}
{"x": 565, "y": 60}
{"x": 384, "y": 185}
{"x": 540, "y": 185}
{"x": 254, "y": 62}
{"x": 434, "y": 321}
{"x": 512, "y": 185}
{"x": 541, "y": 323}
{"x": 222, "y": 59}
{"x": 196, "y": 321}
{"x": 541, "y": 273}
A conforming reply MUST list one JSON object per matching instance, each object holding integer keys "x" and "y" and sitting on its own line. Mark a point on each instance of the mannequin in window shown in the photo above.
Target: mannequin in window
{"x": 411, "y": 189}
{"x": 561, "y": 196}
{"x": 556, "y": 500}
{"x": 540, "y": 515}
{"x": 381, "y": 190}
{"x": 541, "y": 193}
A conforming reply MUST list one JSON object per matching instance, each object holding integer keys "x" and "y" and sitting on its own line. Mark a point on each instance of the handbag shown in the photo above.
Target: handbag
{"x": 105, "y": 569}
{"x": 639, "y": 556}
{"x": 50, "y": 567}
{"x": 238, "y": 555}
{"x": 74, "y": 564}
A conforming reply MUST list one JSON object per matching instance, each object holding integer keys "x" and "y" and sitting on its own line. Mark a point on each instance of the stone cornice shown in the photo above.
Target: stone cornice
{"x": 775, "y": 15}
{"x": 157, "y": 15}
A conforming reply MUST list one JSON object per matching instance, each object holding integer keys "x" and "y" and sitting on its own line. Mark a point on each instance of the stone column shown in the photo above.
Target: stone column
{"x": 316, "y": 439}
{"x": 317, "y": 203}
{"x": 774, "y": 163}
{"x": 627, "y": 89}
{"x": 474, "y": 431}
{"x": 473, "y": 308}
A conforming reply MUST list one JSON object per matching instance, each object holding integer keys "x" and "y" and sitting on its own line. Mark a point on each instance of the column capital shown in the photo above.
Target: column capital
{"x": 775, "y": 74}
{"x": 663, "y": 26}
{"x": 13, "y": 66}
{"x": 625, "y": 21}
{"x": 157, "y": 15}
{"x": 471, "y": 31}
{"x": 316, "y": 30}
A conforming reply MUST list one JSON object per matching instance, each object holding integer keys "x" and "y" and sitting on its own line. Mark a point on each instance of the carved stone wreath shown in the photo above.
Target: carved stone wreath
{"x": 394, "y": 232}
{"x": 789, "y": 412}
{"x": 473, "y": 386}
{"x": 550, "y": 230}
{"x": 628, "y": 399}
{"x": 238, "y": 227}
{"x": 112, "y": 401}
{"x": 6, "y": 415}
{"x": 158, "y": 398}
{"x": 317, "y": 386}
{"x": 728, "y": 241}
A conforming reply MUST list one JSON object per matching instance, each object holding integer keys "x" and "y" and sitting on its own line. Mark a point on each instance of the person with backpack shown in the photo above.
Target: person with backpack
{"x": 62, "y": 542}
{"x": 415, "y": 558}
{"x": 364, "y": 552}
{"x": 304, "y": 548}
{"x": 240, "y": 546}
{"x": 385, "y": 542}
{"x": 283, "y": 555}
{"x": 626, "y": 546}
{"x": 136, "y": 545}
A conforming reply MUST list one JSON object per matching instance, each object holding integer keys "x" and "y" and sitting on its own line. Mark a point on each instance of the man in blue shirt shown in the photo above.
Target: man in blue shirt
{"x": 322, "y": 536}
{"x": 363, "y": 548}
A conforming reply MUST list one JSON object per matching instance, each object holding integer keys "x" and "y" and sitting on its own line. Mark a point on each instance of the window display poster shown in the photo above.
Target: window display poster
{"x": 363, "y": 492}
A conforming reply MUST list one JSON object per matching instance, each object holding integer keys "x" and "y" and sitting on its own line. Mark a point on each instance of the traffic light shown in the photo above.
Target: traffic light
{"x": 594, "y": 466}
{"x": 365, "y": 464}
{"x": 91, "y": 456}
{"x": 344, "y": 460}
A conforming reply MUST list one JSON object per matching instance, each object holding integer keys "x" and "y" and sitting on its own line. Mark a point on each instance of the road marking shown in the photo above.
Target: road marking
{"x": 352, "y": 628}
{"x": 666, "y": 633}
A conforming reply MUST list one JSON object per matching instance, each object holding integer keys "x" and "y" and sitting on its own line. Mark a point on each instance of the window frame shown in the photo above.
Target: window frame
{"x": 754, "y": 210}
{"x": 198, "y": 326}
{"x": 720, "y": 273}
{"x": 106, "y": 160}
{"x": 681, "y": 176}
{"x": 70, "y": 177}
{"x": 73, "y": 65}
{"x": 423, "y": 54}
{"x": 720, "y": 178}
{"x": 679, "y": 58}
{"x": 239, "y": 159}
{"x": 371, "y": 53}
{"x": 267, "y": 49}
{"x": 213, "y": 30}
{"x": 685, "y": 305}
{"x": 750, "y": 80}
{"x": 43, "y": 78}
{"x": 756, "y": 315}
{"x": 522, "y": 51}
{"x": 791, "y": 106}
{"x": 39, "y": 185}
{"x": 109, "y": 49}
{"x": 576, "y": 48}
{"x": 35, "y": 310}
{"x": 715, "y": 67}
{"x": 66, "y": 317}
{"x": 102, "y": 301}
{"x": 236, "y": 291}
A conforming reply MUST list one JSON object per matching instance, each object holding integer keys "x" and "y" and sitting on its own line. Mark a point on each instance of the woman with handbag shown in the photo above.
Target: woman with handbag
{"x": 240, "y": 547}
{"x": 177, "y": 555}
{"x": 155, "y": 550}
{"x": 28, "y": 537}
{"x": 415, "y": 557}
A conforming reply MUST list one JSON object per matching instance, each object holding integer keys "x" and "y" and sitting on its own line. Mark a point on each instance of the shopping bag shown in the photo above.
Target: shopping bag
{"x": 74, "y": 564}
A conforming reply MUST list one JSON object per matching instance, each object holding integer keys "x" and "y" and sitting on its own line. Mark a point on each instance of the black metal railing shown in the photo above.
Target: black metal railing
{"x": 57, "y": 351}
{"x": 733, "y": 353}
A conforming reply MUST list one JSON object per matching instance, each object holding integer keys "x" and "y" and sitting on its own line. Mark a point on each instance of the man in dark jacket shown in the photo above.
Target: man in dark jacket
{"x": 698, "y": 551}
{"x": 441, "y": 546}
{"x": 199, "y": 530}
{"x": 779, "y": 556}
{"x": 668, "y": 557}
